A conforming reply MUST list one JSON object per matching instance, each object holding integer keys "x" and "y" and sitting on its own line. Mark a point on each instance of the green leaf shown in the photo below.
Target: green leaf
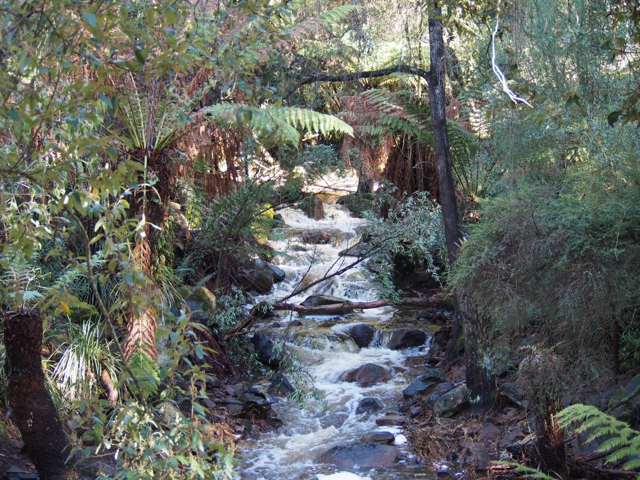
{"x": 91, "y": 19}
{"x": 614, "y": 117}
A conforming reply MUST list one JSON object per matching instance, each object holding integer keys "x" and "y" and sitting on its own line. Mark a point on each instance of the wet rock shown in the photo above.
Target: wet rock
{"x": 367, "y": 375}
{"x": 414, "y": 361}
{"x": 280, "y": 385}
{"x": 582, "y": 447}
{"x": 316, "y": 237}
{"x": 369, "y": 405}
{"x": 321, "y": 300}
{"x": 233, "y": 405}
{"x": 213, "y": 382}
{"x": 259, "y": 279}
{"x": 385, "y": 438}
{"x": 489, "y": 432}
{"x": 424, "y": 382}
{"x": 278, "y": 218}
{"x": 452, "y": 402}
{"x": 511, "y": 438}
{"x": 362, "y": 334}
{"x": 360, "y": 454}
{"x": 415, "y": 411}
{"x": 392, "y": 420}
{"x": 626, "y": 402}
{"x": 275, "y": 325}
{"x": 265, "y": 350}
{"x": 406, "y": 338}
{"x": 441, "y": 338}
{"x": 334, "y": 420}
{"x": 279, "y": 274}
{"x": 298, "y": 248}
{"x": 295, "y": 323}
{"x": 437, "y": 393}
{"x": 512, "y": 392}
{"x": 235, "y": 390}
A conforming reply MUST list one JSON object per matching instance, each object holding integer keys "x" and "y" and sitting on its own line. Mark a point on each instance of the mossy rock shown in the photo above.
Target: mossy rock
{"x": 205, "y": 297}
{"x": 268, "y": 211}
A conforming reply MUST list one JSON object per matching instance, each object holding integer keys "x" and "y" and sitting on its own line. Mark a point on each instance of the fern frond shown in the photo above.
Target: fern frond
{"x": 279, "y": 123}
{"x": 624, "y": 441}
{"x": 527, "y": 472}
{"x": 335, "y": 16}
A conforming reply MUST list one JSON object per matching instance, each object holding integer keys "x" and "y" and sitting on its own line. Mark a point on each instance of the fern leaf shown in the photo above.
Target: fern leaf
{"x": 336, "y": 15}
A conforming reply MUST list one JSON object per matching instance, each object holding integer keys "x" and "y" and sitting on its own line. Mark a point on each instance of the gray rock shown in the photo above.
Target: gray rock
{"x": 437, "y": 393}
{"x": 362, "y": 334}
{"x": 213, "y": 382}
{"x": 406, "y": 338}
{"x": 385, "y": 438}
{"x": 452, "y": 402}
{"x": 511, "y": 391}
{"x": 367, "y": 375}
{"x": 321, "y": 300}
{"x": 265, "y": 350}
{"x": 334, "y": 420}
{"x": 359, "y": 454}
{"x": 392, "y": 420}
{"x": 626, "y": 402}
{"x": 280, "y": 385}
{"x": 369, "y": 405}
{"x": 278, "y": 274}
{"x": 489, "y": 432}
{"x": 424, "y": 382}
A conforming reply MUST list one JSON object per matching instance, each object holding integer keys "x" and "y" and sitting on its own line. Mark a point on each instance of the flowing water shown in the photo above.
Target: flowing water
{"x": 325, "y": 350}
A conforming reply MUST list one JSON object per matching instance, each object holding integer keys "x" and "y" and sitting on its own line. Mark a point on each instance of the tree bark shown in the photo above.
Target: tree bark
{"x": 32, "y": 409}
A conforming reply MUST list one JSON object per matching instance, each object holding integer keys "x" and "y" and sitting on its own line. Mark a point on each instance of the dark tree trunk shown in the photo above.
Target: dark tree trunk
{"x": 33, "y": 411}
{"x": 437, "y": 102}
{"x": 550, "y": 440}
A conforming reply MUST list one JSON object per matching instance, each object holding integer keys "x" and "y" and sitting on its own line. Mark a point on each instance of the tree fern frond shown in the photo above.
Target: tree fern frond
{"x": 279, "y": 123}
{"x": 624, "y": 441}
{"x": 336, "y": 15}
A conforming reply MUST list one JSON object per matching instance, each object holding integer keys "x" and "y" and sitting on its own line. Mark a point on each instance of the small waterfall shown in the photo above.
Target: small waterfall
{"x": 326, "y": 350}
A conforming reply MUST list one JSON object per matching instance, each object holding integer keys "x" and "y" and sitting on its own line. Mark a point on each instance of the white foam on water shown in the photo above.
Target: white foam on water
{"x": 342, "y": 476}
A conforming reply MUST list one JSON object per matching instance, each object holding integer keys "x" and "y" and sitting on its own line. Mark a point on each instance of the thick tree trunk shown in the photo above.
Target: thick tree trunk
{"x": 33, "y": 411}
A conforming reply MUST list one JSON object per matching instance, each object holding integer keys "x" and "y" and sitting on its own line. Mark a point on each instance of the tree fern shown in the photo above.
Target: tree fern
{"x": 404, "y": 113}
{"x": 278, "y": 125}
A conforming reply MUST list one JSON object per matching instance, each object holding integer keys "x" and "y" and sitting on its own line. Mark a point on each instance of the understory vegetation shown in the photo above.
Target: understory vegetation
{"x": 147, "y": 147}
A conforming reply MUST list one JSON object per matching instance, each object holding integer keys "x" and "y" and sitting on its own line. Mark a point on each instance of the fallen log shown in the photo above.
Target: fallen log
{"x": 334, "y": 309}
{"x": 339, "y": 308}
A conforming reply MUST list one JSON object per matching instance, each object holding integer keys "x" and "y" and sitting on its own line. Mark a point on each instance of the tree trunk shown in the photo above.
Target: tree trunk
{"x": 550, "y": 440}
{"x": 448, "y": 202}
{"x": 32, "y": 409}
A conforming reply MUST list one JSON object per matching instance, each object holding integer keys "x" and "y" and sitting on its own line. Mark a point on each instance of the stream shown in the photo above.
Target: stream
{"x": 325, "y": 351}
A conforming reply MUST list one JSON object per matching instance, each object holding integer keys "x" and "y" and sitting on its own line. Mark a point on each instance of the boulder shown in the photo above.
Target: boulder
{"x": 385, "y": 438}
{"x": 452, "y": 402}
{"x": 424, "y": 382}
{"x": 626, "y": 402}
{"x": 280, "y": 385}
{"x": 201, "y": 299}
{"x": 359, "y": 454}
{"x": 279, "y": 274}
{"x": 264, "y": 348}
{"x": 392, "y": 420}
{"x": 259, "y": 278}
{"x": 367, "y": 375}
{"x": 406, "y": 338}
{"x": 362, "y": 334}
{"x": 321, "y": 300}
{"x": 369, "y": 405}
{"x": 334, "y": 420}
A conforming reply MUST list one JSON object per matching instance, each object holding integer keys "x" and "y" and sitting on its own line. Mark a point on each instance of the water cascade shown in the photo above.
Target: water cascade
{"x": 325, "y": 349}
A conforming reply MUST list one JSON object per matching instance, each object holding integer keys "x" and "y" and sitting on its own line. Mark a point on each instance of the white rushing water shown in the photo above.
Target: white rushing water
{"x": 325, "y": 350}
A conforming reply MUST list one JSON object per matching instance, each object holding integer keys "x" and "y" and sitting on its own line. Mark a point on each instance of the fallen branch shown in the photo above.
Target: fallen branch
{"x": 338, "y": 308}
